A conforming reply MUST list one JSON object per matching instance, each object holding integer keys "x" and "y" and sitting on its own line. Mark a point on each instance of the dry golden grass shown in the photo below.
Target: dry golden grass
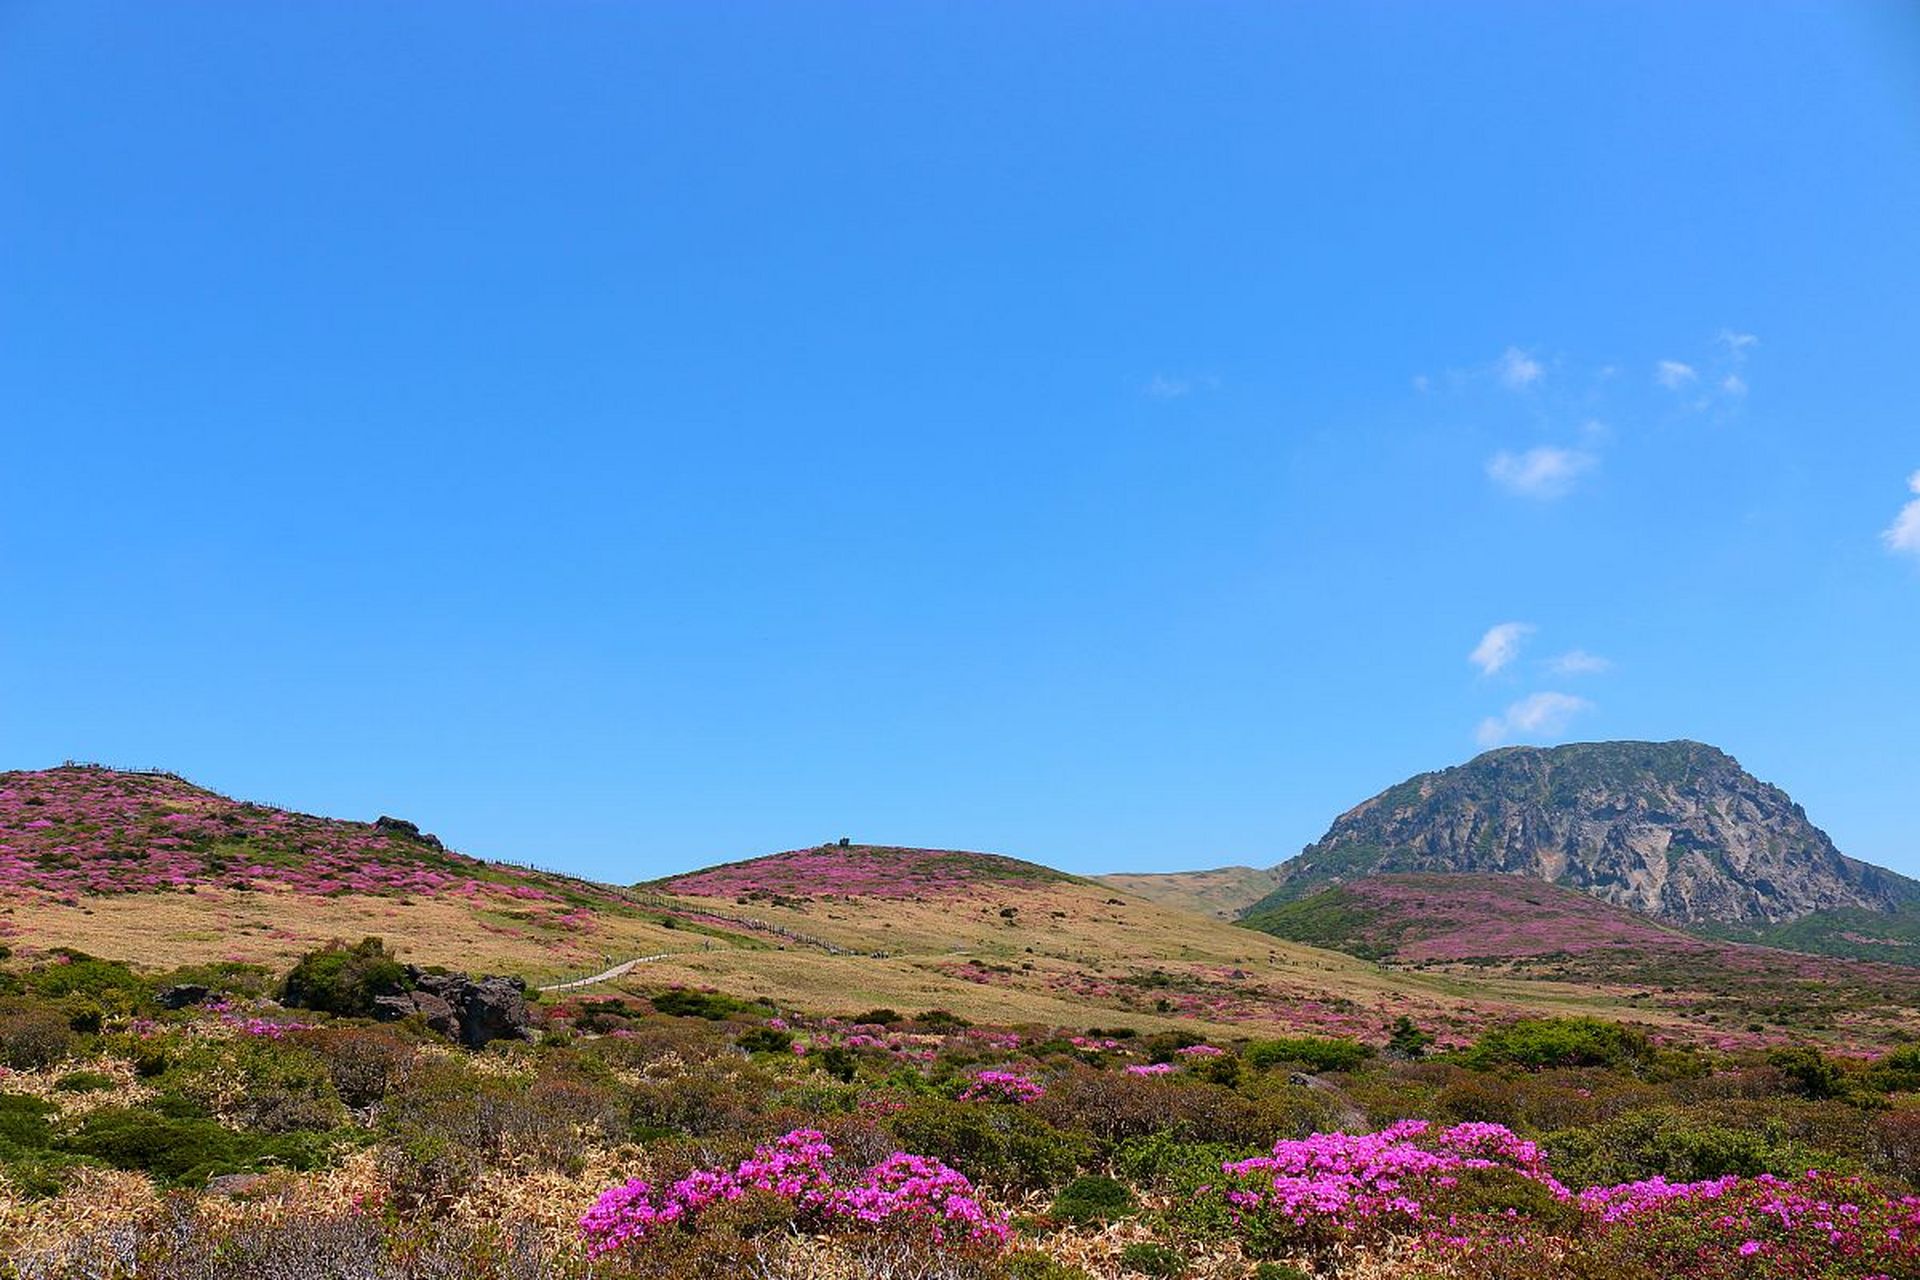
{"x": 163, "y": 930}
{"x": 1066, "y": 953}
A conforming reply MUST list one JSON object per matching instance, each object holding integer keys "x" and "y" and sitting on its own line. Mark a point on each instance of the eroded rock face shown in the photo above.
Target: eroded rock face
{"x": 474, "y": 1012}
{"x": 1677, "y": 830}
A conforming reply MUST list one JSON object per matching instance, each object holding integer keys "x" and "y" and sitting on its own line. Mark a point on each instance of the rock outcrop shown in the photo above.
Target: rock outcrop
{"x": 1677, "y": 830}
{"x": 473, "y": 1012}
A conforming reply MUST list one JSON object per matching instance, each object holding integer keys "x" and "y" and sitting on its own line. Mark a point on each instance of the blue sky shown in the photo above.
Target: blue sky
{"x": 630, "y": 436}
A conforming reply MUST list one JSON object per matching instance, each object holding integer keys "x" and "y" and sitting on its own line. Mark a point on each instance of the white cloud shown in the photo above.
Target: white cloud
{"x": 1162, "y": 387}
{"x": 1543, "y": 473}
{"x": 1578, "y": 662}
{"x": 1737, "y": 343}
{"x": 1422, "y": 383}
{"x": 1500, "y": 646}
{"x": 1538, "y": 715}
{"x": 1734, "y": 385}
{"x": 1674, "y": 375}
{"x": 1903, "y": 535}
{"x": 1518, "y": 370}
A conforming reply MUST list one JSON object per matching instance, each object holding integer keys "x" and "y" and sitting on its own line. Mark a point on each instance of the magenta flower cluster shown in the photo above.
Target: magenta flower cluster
{"x": 799, "y": 1166}
{"x": 1388, "y": 1179}
{"x": 1152, "y": 1069}
{"x": 1349, "y": 1179}
{"x": 1002, "y": 1086}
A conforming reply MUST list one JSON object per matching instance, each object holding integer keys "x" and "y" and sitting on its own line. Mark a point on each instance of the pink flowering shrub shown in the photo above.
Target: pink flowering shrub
{"x": 1819, "y": 1225}
{"x": 901, "y": 1190}
{"x": 1331, "y": 1185}
{"x": 1152, "y": 1069}
{"x": 1002, "y": 1086}
{"x": 1482, "y": 1200}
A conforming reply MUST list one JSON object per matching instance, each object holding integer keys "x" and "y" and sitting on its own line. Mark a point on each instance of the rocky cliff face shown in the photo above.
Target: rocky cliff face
{"x": 1677, "y": 830}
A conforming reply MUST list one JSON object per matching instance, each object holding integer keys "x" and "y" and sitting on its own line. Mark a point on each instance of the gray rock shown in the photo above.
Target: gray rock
{"x": 472, "y": 1012}
{"x": 1676, "y": 830}
{"x": 182, "y": 994}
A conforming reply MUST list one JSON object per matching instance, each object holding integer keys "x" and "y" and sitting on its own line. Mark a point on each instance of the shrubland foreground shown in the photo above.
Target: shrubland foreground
{"x": 695, "y": 1133}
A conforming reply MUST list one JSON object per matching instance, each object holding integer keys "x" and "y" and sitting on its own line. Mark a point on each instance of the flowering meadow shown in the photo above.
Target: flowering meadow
{"x": 81, "y": 830}
{"x": 676, "y": 1133}
{"x": 1518, "y": 927}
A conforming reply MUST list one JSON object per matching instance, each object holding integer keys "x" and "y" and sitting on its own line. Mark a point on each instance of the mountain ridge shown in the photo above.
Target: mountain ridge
{"x": 1677, "y": 830}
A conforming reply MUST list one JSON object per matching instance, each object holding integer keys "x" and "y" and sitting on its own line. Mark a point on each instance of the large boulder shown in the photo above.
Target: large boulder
{"x": 406, "y": 831}
{"x": 472, "y": 1012}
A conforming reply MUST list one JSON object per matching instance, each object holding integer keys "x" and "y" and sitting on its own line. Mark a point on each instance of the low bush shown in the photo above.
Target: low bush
{"x": 1093, "y": 1198}
{"x": 1537, "y": 1043}
{"x": 186, "y": 1151}
{"x": 1152, "y": 1260}
{"x": 34, "y": 1038}
{"x": 1003, "y": 1147}
{"x": 344, "y": 980}
{"x": 1315, "y": 1053}
{"x": 684, "y": 1002}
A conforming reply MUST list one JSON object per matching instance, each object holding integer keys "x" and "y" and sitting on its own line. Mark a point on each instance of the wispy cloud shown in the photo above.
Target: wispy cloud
{"x": 1517, "y": 370}
{"x": 1675, "y": 375}
{"x": 1536, "y": 716}
{"x": 1161, "y": 387}
{"x": 1903, "y": 535}
{"x": 1542, "y": 473}
{"x": 1500, "y": 646}
{"x": 1578, "y": 662}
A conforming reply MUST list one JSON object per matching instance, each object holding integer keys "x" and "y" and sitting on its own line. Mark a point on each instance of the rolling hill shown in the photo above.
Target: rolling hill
{"x": 154, "y": 870}
{"x": 150, "y": 868}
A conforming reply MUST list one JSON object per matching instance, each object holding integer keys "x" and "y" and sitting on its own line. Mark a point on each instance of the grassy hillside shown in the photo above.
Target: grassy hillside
{"x": 150, "y": 868}
{"x": 1223, "y": 892}
{"x": 1521, "y": 929}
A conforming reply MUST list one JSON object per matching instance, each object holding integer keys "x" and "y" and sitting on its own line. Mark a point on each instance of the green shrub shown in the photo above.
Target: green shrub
{"x": 1152, "y": 1260}
{"x": 878, "y": 1017}
{"x": 1279, "y": 1271}
{"x": 1898, "y": 1071}
{"x": 934, "y": 1018}
{"x": 181, "y": 1151}
{"x": 1004, "y": 1147}
{"x": 25, "y": 1124}
{"x": 1031, "y": 1264}
{"x": 77, "y": 973}
{"x": 1092, "y": 1198}
{"x": 33, "y": 1039}
{"x": 837, "y": 1062}
{"x": 1535, "y": 1043}
{"x": 1811, "y": 1073}
{"x": 344, "y": 980}
{"x": 1405, "y": 1040}
{"x": 1316, "y": 1053}
{"x": 684, "y": 1002}
{"x": 765, "y": 1040}
{"x": 84, "y": 1082}
{"x": 1671, "y": 1144}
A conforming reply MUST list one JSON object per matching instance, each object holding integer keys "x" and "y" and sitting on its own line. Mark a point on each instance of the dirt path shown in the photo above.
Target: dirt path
{"x": 620, "y": 970}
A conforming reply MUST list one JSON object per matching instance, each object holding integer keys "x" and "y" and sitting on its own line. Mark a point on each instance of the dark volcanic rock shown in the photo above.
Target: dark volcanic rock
{"x": 1676, "y": 830}
{"x": 473, "y": 1012}
{"x": 406, "y": 831}
{"x": 182, "y": 994}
